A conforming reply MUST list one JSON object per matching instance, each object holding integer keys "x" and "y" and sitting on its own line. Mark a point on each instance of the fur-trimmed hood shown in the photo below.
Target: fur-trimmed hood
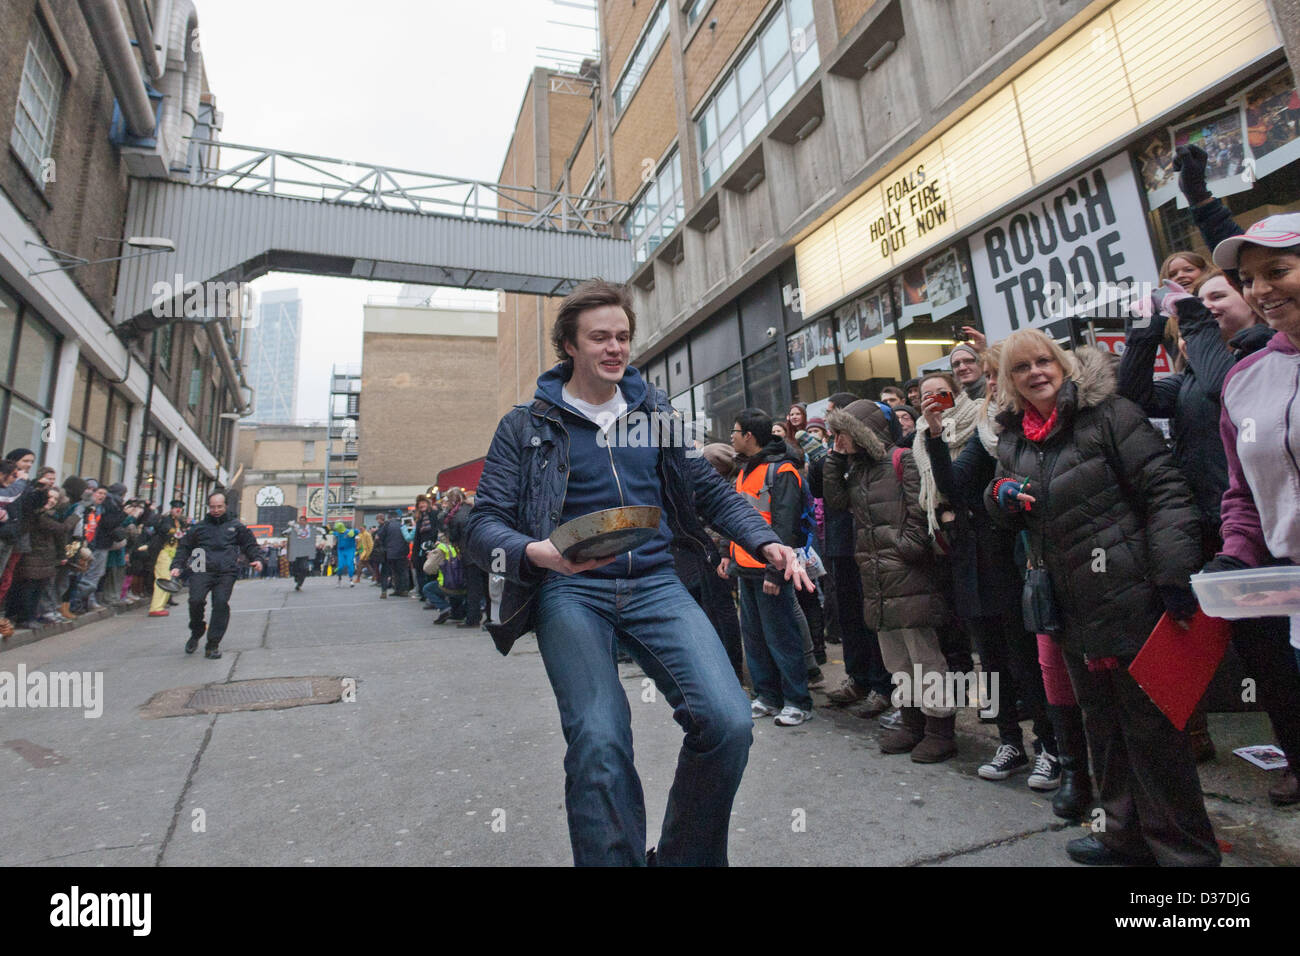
{"x": 865, "y": 423}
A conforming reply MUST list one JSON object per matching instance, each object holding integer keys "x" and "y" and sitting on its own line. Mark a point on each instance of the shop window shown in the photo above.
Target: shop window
{"x": 28, "y": 352}
{"x": 37, "y": 109}
{"x": 776, "y": 63}
{"x": 765, "y": 381}
{"x": 718, "y": 401}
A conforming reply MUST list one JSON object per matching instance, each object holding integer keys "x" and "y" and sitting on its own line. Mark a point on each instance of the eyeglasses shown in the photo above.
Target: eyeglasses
{"x": 737, "y": 431}
{"x": 1040, "y": 364}
{"x": 960, "y": 362}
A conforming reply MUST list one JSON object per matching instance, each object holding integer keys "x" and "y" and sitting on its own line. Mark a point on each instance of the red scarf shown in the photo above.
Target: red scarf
{"x": 1034, "y": 427}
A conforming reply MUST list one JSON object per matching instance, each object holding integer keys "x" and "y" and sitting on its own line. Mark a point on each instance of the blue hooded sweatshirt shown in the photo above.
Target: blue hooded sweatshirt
{"x": 610, "y": 474}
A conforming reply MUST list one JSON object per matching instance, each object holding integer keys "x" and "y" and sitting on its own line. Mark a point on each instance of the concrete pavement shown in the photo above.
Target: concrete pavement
{"x": 452, "y": 754}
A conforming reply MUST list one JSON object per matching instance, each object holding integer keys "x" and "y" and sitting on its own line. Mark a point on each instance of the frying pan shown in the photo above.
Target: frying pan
{"x": 170, "y": 585}
{"x": 605, "y": 533}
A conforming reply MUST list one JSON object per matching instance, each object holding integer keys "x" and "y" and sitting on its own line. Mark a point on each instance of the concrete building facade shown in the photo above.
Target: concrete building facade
{"x": 284, "y": 465}
{"x": 800, "y": 172}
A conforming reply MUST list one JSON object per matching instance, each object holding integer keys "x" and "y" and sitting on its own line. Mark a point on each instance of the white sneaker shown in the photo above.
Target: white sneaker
{"x": 792, "y": 716}
{"x": 759, "y": 709}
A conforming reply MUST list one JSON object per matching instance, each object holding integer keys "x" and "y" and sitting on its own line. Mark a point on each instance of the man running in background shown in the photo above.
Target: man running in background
{"x": 210, "y": 548}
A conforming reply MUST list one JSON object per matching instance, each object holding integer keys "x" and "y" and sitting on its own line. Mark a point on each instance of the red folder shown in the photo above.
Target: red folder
{"x": 1175, "y": 666}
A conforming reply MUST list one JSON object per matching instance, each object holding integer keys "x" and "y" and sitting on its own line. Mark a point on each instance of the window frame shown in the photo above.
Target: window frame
{"x": 55, "y": 72}
{"x": 719, "y": 153}
{"x": 646, "y": 229}
{"x": 646, "y": 45}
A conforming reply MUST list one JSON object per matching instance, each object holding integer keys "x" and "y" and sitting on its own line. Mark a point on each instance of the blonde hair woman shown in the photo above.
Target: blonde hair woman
{"x": 1114, "y": 536}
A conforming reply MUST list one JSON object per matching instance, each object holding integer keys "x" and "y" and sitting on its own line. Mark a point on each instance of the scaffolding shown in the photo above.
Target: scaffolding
{"x": 341, "y": 427}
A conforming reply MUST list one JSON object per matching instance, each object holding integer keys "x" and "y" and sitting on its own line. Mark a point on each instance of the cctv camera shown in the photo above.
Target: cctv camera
{"x": 771, "y": 331}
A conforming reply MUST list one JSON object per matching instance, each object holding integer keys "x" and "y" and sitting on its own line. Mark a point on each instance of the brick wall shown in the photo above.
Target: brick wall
{"x": 87, "y": 197}
{"x": 623, "y": 24}
{"x": 520, "y": 166}
{"x": 849, "y": 12}
{"x": 430, "y": 403}
{"x": 646, "y": 128}
{"x": 568, "y": 114}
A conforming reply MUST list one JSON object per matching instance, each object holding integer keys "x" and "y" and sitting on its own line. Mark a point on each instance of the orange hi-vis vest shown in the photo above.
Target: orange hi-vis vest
{"x": 757, "y": 490}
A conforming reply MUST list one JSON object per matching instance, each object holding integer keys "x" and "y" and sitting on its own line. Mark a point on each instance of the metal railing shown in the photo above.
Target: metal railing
{"x": 279, "y": 172}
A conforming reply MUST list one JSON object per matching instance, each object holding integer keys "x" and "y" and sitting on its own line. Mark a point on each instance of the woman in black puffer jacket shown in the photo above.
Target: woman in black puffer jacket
{"x": 902, "y": 595}
{"x": 1112, "y": 520}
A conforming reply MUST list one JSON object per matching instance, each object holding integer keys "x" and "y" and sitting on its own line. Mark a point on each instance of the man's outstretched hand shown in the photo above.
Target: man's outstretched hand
{"x": 783, "y": 557}
{"x": 544, "y": 554}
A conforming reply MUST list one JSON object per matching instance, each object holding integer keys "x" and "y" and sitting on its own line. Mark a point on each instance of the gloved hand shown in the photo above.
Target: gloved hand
{"x": 1224, "y": 562}
{"x": 1007, "y": 495}
{"x": 1145, "y": 321}
{"x": 1180, "y": 601}
{"x": 1190, "y": 162}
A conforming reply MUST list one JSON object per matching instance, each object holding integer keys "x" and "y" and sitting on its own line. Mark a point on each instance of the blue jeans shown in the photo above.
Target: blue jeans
{"x": 579, "y": 619}
{"x": 443, "y": 600}
{"x": 769, "y": 626}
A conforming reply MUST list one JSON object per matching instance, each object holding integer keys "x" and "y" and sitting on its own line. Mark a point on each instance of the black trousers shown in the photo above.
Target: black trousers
{"x": 1264, "y": 646}
{"x": 812, "y": 612}
{"x": 219, "y": 585}
{"x": 301, "y": 569}
{"x": 476, "y": 591}
{"x": 716, "y": 598}
{"x": 395, "y": 574}
{"x": 1011, "y": 652}
{"x": 1147, "y": 781}
{"x": 862, "y": 659}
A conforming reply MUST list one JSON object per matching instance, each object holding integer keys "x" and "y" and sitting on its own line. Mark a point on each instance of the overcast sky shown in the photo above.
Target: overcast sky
{"x": 430, "y": 85}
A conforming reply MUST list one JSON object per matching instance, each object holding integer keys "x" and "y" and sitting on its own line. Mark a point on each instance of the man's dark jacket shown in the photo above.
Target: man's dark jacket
{"x": 390, "y": 541}
{"x": 522, "y": 491}
{"x": 221, "y": 538}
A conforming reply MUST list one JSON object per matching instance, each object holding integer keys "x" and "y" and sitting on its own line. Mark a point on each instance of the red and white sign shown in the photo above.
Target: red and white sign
{"x": 1114, "y": 342}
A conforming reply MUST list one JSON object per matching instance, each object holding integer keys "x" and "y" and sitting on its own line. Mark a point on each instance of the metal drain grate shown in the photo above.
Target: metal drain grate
{"x": 250, "y": 692}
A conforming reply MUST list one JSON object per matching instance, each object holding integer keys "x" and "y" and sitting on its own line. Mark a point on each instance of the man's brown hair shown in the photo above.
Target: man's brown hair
{"x": 591, "y": 294}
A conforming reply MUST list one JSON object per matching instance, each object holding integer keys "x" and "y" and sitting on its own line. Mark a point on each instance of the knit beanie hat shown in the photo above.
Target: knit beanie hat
{"x": 966, "y": 348}
{"x": 117, "y": 490}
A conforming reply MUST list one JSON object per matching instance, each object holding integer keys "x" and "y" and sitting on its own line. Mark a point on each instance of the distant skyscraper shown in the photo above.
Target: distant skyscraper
{"x": 272, "y": 357}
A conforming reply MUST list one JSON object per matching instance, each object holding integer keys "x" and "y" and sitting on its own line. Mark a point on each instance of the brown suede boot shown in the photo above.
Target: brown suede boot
{"x": 902, "y": 739}
{"x": 938, "y": 744}
{"x": 66, "y": 611}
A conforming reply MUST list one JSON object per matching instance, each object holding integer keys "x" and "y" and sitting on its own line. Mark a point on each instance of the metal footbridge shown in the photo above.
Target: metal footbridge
{"x": 239, "y": 212}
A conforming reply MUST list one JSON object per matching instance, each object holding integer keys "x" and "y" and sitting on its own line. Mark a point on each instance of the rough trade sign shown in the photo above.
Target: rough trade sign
{"x": 1082, "y": 249}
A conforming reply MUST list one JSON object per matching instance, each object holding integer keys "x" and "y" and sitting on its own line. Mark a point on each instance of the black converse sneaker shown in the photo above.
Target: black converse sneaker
{"x": 1008, "y": 760}
{"x": 1046, "y": 774}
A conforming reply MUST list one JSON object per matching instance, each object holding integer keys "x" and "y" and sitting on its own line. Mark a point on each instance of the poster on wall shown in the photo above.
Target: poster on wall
{"x": 910, "y": 289}
{"x": 824, "y": 336}
{"x": 1222, "y": 135}
{"x": 866, "y": 321}
{"x": 1080, "y": 250}
{"x": 1156, "y": 160}
{"x": 794, "y": 351}
{"x": 947, "y": 284}
{"x": 1272, "y": 108}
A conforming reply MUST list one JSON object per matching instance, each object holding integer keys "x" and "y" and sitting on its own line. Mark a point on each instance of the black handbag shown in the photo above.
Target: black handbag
{"x": 1037, "y": 600}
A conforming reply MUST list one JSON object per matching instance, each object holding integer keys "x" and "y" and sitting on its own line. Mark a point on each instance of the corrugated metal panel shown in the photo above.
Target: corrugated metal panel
{"x": 218, "y": 230}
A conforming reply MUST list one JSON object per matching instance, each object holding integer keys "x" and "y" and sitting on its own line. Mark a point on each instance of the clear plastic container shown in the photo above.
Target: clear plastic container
{"x": 1258, "y": 592}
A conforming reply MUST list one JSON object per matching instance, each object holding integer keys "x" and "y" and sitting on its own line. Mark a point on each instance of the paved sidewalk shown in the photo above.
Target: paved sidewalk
{"x": 446, "y": 737}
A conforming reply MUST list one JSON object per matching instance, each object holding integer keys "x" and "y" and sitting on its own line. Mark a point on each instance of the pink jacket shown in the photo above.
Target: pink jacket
{"x": 1260, "y": 426}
